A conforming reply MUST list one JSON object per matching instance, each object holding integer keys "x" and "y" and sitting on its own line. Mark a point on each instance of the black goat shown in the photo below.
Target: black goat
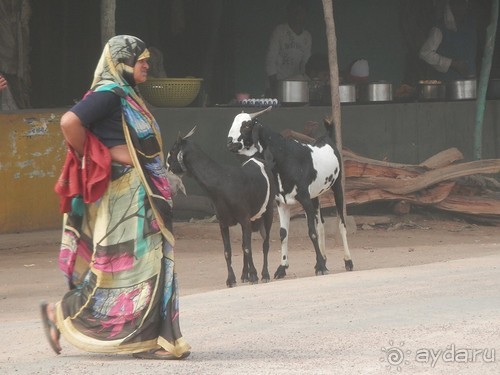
{"x": 302, "y": 173}
{"x": 241, "y": 195}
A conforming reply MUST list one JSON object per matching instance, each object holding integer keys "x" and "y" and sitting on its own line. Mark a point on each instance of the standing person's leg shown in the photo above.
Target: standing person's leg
{"x": 50, "y": 326}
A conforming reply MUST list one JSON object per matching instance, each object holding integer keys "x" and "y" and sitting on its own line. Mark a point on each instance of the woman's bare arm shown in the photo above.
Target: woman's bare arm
{"x": 73, "y": 131}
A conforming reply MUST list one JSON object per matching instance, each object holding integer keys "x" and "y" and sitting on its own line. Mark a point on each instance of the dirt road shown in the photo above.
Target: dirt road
{"x": 419, "y": 287}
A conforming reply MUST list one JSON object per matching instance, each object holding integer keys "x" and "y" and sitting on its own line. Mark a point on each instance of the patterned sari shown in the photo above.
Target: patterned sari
{"x": 117, "y": 253}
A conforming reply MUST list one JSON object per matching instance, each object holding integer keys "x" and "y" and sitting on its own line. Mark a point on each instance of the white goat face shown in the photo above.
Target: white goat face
{"x": 240, "y": 136}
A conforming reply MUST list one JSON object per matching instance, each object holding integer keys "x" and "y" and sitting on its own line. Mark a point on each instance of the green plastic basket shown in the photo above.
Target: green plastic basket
{"x": 170, "y": 92}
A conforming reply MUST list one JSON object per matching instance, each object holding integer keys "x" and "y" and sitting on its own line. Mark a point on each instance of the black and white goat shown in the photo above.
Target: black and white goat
{"x": 241, "y": 195}
{"x": 302, "y": 173}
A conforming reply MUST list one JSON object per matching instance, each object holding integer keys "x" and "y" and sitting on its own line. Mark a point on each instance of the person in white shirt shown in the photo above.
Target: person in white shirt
{"x": 452, "y": 44}
{"x": 289, "y": 47}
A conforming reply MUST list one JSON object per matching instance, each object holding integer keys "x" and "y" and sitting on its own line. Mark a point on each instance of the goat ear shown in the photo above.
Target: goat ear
{"x": 255, "y": 134}
{"x": 328, "y": 121}
{"x": 269, "y": 158}
{"x": 190, "y": 133}
{"x": 256, "y": 114}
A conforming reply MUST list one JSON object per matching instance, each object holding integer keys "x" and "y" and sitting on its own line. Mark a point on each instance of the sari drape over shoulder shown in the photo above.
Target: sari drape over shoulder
{"x": 117, "y": 252}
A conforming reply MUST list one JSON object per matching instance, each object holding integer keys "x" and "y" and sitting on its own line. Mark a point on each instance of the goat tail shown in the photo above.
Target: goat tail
{"x": 329, "y": 124}
{"x": 330, "y": 127}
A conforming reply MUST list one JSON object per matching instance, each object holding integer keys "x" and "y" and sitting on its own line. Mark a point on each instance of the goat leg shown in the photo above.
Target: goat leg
{"x": 231, "y": 278}
{"x": 284, "y": 215}
{"x": 249, "y": 272}
{"x": 338, "y": 194}
{"x": 245, "y": 277}
{"x": 265, "y": 232}
{"x": 313, "y": 219}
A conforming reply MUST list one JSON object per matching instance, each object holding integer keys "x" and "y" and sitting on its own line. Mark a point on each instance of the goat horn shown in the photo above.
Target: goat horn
{"x": 254, "y": 115}
{"x": 191, "y": 132}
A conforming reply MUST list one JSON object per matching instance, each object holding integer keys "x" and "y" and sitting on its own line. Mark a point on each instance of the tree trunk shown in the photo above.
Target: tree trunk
{"x": 334, "y": 83}
{"x": 484, "y": 76}
{"x": 108, "y": 8}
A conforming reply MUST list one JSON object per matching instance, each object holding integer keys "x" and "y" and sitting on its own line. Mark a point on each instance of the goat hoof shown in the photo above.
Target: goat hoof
{"x": 321, "y": 273}
{"x": 321, "y": 270}
{"x": 245, "y": 277}
{"x": 253, "y": 278}
{"x": 348, "y": 265}
{"x": 280, "y": 272}
{"x": 250, "y": 280}
{"x": 265, "y": 277}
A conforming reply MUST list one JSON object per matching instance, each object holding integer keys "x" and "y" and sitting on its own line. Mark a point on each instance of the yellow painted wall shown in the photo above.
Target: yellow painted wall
{"x": 32, "y": 152}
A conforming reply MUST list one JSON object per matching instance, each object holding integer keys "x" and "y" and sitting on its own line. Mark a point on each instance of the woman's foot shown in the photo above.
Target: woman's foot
{"x": 161, "y": 354}
{"x": 49, "y": 325}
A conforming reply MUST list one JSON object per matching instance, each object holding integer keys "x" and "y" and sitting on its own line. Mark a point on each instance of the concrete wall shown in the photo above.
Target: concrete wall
{"x": 399, "y": 132}
{"x": 32, "y": 148}
{"x": 31, "y": 155}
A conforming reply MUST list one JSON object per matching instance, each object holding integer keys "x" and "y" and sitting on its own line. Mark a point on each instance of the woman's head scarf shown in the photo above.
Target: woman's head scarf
{"x": 118, "y": 59}
{"x": 115, "y": 72}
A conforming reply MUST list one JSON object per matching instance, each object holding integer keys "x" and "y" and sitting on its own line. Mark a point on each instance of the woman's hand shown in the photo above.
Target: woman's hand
{"x": 461, "y": 67}
{"x": 3, "y": 83}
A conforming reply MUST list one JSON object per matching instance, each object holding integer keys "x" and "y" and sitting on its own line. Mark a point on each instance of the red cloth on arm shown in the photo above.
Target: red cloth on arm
{"x": 88, "y": 177}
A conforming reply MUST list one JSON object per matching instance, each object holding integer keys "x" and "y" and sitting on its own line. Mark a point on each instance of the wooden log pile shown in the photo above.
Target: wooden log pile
{"x": 443, "y": 181}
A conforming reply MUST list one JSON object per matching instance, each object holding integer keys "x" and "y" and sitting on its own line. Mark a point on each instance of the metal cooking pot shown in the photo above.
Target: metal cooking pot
{"x": 432, "y": 91}
{"x": 293, "y": 92}
{"x": 379, "y": 92}
{"x": 347, "y": 93}
{"x": 461, "y": 89}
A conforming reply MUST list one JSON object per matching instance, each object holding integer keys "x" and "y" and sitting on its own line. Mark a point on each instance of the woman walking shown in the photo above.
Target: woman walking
{"x": 117, "y": 244}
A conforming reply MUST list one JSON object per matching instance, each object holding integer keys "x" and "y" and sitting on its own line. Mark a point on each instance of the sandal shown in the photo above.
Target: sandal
{"x": 49, "y": 326}
{"x": 154, "y": 354}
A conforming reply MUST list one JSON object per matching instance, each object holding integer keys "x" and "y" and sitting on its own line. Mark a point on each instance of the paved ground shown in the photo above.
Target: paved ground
{"x": 440, "y": 317}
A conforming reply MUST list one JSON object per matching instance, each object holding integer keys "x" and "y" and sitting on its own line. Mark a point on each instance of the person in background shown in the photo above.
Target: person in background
{"x": 318, "y": 68}
{"x": 452, "y": 43}
{"x": 318, "y": 73}
{"x": 117, "y": 244}
{"x": 358, "y": 72}
{"x": 289, "y": 48}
